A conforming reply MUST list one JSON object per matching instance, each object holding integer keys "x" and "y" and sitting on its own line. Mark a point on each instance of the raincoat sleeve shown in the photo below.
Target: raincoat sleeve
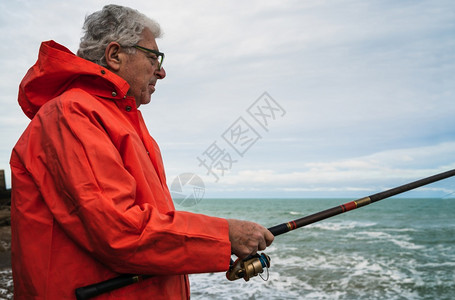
{"x": 91, "y": 192}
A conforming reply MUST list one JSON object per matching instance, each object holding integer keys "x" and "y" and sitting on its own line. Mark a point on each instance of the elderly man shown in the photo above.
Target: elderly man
{"x": 89, "y": 198}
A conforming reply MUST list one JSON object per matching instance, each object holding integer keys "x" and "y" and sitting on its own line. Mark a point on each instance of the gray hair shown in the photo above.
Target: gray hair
{"x": 113, "y": 23}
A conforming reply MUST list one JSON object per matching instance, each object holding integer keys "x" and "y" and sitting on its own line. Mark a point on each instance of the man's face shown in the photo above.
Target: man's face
{"x": 141, "y": 70}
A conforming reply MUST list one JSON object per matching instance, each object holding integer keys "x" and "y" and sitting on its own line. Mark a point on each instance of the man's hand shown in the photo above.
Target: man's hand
{"x": 248, "y": 237}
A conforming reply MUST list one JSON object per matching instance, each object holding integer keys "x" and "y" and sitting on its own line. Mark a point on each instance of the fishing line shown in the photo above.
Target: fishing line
{"x": 266, "y": 266}
{"x": 450, "y": 195}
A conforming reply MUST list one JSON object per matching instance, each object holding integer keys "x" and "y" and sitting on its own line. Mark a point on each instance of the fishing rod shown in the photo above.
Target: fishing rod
{"x": 250, "y": 266}
{"x": 255, "y": 264}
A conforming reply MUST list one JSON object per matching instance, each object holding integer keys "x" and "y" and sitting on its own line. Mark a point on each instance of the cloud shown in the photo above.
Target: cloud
{"x": 371, "y": 173}
{"x": 368, "y": 86}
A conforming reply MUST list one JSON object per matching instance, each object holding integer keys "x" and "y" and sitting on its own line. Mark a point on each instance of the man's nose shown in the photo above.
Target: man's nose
{"x": 161, "y": 73}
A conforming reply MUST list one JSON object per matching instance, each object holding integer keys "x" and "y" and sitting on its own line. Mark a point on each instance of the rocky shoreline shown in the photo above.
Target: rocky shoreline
{"x": 5, "y": 229}
{"x": 6, "y": 277}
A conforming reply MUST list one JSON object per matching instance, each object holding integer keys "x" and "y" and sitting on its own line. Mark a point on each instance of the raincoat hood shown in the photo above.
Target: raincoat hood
{"x": 56, "y": 69}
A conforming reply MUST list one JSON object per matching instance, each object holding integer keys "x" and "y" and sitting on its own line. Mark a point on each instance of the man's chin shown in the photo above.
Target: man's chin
{"x": 146, "y": 100}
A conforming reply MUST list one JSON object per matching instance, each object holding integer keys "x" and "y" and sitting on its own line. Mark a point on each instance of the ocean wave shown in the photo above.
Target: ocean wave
{"x": 400, "y": 229}
{"x": 327, "y": 274}
{"x": 438, "y": 265}
{"x": 295, "y": 213}
{"x": 401, "y": 240}
{"x": 374, "y": 256}
{"x": 337, "y": 226}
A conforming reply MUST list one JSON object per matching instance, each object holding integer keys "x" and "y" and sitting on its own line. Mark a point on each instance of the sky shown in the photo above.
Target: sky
{"x": 276, "y": 99}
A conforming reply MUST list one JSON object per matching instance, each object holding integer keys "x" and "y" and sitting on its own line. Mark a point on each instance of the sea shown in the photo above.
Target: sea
{"x": 392, "y": 249}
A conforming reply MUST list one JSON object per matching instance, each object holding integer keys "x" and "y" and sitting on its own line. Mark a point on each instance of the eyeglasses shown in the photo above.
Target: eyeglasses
{"x": 159, "y": 55}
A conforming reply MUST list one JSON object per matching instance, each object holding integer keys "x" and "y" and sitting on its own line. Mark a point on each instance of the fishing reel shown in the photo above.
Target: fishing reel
{"x": 248, "y": 267}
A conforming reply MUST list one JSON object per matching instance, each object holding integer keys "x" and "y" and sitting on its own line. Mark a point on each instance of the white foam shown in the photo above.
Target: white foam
{"x": 401, "y": 240}
{"x": 406, "y": 245}
{"x": 295, "y": 213}
{"x": 438, "y": 265}
{"x": 400, "y": 229}
{"x": 336, "y": 226}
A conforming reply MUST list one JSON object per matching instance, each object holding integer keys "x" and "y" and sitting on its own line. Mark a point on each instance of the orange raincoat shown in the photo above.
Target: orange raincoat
{"x": 89, "y": 198}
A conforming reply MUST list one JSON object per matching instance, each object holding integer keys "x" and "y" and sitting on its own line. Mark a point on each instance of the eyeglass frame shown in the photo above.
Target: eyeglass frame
{"x": 160, "y": 55}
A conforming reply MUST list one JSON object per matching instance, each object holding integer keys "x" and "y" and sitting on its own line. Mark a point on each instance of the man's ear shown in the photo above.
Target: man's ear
{"x": 114, "y": 56}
